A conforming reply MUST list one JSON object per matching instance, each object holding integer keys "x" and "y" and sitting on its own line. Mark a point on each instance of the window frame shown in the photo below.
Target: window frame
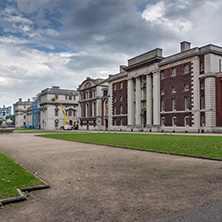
{"x": 172, "y": 72}
{"x": 173, "y": 104}
{"x": 174, "y": 121}
{"x": 185, "y": 121}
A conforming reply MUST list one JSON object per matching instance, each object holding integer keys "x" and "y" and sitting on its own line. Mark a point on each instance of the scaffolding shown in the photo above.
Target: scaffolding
{"x": 36, "y": 114}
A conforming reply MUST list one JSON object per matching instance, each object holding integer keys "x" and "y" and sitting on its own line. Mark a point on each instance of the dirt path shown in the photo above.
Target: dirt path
{"x": 99, "y": 183}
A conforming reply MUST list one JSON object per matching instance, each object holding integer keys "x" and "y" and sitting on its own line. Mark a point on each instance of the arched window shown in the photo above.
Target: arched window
{"x": 174, "y": 121}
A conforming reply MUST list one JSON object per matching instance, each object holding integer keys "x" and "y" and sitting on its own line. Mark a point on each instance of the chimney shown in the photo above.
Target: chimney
{"x": 20, "y": 99}
{"x": 184, "y": 46}
{"x": 122, "y": 68}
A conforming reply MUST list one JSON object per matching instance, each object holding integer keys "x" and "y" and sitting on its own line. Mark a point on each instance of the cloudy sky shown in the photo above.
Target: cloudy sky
{"x": 61, "y": 42}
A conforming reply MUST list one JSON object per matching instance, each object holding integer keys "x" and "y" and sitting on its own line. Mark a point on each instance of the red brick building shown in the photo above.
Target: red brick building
{"x": 93, "y": 104}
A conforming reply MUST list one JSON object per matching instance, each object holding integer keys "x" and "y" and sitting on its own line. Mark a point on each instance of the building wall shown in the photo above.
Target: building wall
{"x": 92, "y": 91}
{"x": 219, "y": 100}
{"x": 174, "y": 88}
{"x": 51, "y": 114}
{"x": 21, "y": 113}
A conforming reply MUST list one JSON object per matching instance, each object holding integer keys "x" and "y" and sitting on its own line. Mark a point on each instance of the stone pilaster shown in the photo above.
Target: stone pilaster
{"x": 149, "y": 100}
{"x": 210, "y": 102}
{"x": 130, "y": 102}
{"x": 156, "y": 100}
{"x": 138, "y": 102}
{"x": 195, "y": 94}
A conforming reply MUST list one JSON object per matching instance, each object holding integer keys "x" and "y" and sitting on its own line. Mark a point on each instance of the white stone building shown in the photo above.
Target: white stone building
{"x": 93, "y": 104}
{"x": 51, "y": 115}
{"x": 22, "y": 113}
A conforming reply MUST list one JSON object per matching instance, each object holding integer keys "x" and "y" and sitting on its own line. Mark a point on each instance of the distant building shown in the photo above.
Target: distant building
{"x": 178, "y": 93}
{"x": 51, "y": 115}
{"x": 22, "y": 113}
{"x": 93, "y": 104}
{"x": 7, "y": 110}
{"x": 43, "y": 113}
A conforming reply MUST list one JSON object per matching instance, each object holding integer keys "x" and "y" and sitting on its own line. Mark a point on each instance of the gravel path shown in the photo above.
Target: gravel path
{"x": 99, "y": 183}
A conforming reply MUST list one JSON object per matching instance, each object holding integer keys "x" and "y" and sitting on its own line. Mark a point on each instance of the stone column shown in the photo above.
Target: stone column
{"x": 156, "y": 100}
{"x": 210, "y": 102}
{"x": 138, "y": 102}
{"x": 149, "y": 100}
{"x": 130, "y": 103}
{"x": 195, "y": 93}
{"x": 99, "y": 113}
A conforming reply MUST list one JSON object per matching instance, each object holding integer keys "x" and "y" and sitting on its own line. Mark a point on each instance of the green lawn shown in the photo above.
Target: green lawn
{"x": 206, "y": 146}
{"x": 14, "y": 176}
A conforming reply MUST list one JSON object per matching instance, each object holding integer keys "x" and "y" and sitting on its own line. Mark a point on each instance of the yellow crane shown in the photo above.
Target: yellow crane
{"x": 66, "y": 126}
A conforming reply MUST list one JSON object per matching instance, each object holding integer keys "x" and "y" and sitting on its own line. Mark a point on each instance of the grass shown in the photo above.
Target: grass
{"x": 205, "y": 146}
{"x": 14, "y": 176}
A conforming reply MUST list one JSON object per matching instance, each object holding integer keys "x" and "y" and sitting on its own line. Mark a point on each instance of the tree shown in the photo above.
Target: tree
{"x": 11, "y": 117}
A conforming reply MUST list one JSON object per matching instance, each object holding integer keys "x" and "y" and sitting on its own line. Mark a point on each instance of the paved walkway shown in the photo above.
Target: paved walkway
{"x": 99, "y": 183}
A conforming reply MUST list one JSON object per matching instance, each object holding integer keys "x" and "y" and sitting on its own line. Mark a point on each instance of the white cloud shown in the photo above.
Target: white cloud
{"x": 156, "y": 14}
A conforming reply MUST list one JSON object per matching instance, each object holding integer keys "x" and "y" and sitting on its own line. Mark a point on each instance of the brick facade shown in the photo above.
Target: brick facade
{"x": 176, "y": 87}
{"x": 219, "y": 100}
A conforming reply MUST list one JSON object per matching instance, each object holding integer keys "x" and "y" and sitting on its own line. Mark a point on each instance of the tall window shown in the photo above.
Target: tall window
{"x": 186, "y": 102}
{"x": 219, "y": 65}
{"x": 162, "y": 76}
{"x": 105, "y": 92}
{"x": 186, "y": 69}
{"x": 56, "y": 112}
{"x": 173, "y": 89}
{"x": 114, "y": 110}
{"x": 202, "y": 102}
{"x": 173, "y": 72}
{"x": 202, "y": 85}
{"x": 163, "y": 121}
{"x": 87, "y": 110}
{"x": 186, "y": 87}
{"x": 121, "y": 109}
{"x": 94, "y": 109}
{"x": 187, "y": 121}
{"x": 202, "y": 119}
{"x": 202, "y": 66}
{"x": 70, "y": 112}
{"x": 81, "y": 110}
{"x": 174, "y": 121}
{"x": 162, "y": 105}
{"x": 94, "y": 93}
{"x": 174, "y": 105}
{"x": 121, "y": 85}
{"x": 114, "y": 86}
